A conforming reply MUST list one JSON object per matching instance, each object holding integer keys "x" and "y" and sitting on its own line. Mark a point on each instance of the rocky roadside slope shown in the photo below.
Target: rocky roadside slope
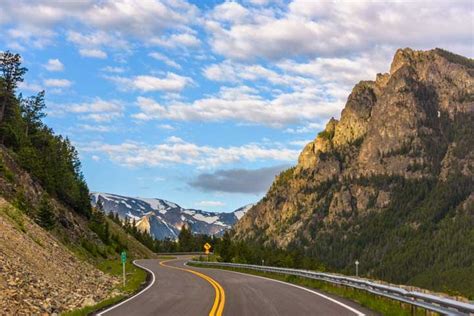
{"x": 48, "y": 272}
{"x": 390, "y": 183}
{"x": 38, "y": 274}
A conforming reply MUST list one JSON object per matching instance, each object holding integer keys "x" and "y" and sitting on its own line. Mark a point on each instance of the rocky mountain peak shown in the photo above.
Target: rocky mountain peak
{"x": 395, "y": 174}
{"x": 164, "y": 219}
{"x": 397, "y": 109}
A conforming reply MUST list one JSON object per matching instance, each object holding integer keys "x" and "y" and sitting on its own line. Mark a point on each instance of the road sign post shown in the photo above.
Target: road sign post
{"x": 123, "y": 256}
{"x": 207, "y": 247}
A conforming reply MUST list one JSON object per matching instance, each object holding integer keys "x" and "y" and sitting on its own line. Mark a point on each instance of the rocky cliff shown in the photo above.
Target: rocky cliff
{"x": 390, "y": 183}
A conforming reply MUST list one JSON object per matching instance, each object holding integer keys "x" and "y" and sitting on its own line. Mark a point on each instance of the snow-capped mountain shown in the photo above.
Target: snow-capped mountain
{"x": 164, "y": 219}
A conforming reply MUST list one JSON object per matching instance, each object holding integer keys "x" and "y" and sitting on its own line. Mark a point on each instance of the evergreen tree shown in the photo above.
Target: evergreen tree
{"x": 12, "y": 73}
{"x": 32, "y": 110}
{"x": 185, "y": 239}
{"x": 45, "y": 215}
{"x": 225, "y": 247}
{"x": 106, "y": 233}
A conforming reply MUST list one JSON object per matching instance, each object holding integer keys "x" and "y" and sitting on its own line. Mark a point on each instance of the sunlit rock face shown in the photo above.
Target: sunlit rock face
{"x": 407, "y": 123}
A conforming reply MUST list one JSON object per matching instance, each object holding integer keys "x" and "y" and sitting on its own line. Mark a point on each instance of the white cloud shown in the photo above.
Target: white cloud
{"x": 115, "y": 70}
{"x": 174, "y": 139}
{"x": 332, "y": 28}
{"x": 140, "y": 18}
{"x": 244, "y": 104}
{"x": 210, "y": 203}
{"x": 95, "y": 158}
{"x": 166, "y": 127}
{"x": 176, "y": 40}
{"x": 93, "y": 44}
{"x": 300, "y": 143}
{"x": 54, "y": 65}
{"x": 164, "y": 59}
{"x": 32, "y": 87}
{"x": 124, "y": 18}
{"x": 229, "y": 71}
{"x": 93, "y": 53}
{"x": 135, "y": 154}
{"x": 146, "y": 83}
{"x": 231, "y": 12}
{"x": 311, "y": 128}
{"x": 343, "y": 70}
{"x": 96, "y": 128}
{"x": 91, "y": 40}
{"x": 57, "y": 83}
{"x": 98, "y": 110}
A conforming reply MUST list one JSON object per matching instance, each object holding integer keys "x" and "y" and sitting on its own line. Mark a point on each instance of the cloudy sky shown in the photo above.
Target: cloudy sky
{"x": 203, "y": 102}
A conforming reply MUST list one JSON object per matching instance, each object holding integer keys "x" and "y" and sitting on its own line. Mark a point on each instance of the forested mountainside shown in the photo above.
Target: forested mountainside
{"x": 163, "y": 219}
{"x": 50, "y": 236}
{"x": 389, "y": 184}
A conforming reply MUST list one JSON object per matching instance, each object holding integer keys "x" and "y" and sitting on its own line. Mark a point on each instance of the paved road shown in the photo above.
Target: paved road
{"x": 180, "y": 290}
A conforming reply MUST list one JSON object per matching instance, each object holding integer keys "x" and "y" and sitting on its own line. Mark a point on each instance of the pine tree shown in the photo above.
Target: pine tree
{"x": 12, "y": 73}
{"x": 185, "y": 239}
{"x": 106, "y": 233}
{"x": 225, "y": 247}
{"x": 45, "y": 215}
{"x": 32, "y": 110}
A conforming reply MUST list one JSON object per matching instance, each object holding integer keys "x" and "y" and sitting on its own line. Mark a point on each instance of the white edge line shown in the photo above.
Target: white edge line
{"x": 299, "y": 287}
{"x": 130, "y": 298}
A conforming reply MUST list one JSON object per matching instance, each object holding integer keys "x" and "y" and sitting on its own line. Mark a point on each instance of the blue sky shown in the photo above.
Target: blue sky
{"x": 203, "y": 102}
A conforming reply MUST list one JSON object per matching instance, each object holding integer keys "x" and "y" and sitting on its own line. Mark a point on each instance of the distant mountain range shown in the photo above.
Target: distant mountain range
{"x": 164, "y": 219}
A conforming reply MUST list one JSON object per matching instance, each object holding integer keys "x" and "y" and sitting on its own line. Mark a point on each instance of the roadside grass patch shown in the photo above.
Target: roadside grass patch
{"x": 371, "y": 301}
{"x": 16, "y": 216}
{"x": 135, "y": 278}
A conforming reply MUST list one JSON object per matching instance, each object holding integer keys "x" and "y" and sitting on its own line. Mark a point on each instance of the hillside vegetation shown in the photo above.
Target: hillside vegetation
{"x": 51, "y": 240}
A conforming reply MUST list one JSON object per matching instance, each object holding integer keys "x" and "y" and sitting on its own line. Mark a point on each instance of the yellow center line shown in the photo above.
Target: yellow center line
{"x": 219, "y": 301}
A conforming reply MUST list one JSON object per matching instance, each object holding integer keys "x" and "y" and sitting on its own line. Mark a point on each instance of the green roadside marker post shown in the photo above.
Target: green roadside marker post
{"x": 123, "y": 255}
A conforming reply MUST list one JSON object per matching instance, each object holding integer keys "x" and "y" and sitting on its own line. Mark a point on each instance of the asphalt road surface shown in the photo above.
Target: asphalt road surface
{"x": 179, "y": 290}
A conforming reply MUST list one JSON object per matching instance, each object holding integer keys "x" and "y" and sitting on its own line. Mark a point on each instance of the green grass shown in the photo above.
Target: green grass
{"x": 16, "y": 216}
{"x": 135, "y": 279}
{"x": 90, "y": 309}
{"x": 6, "y": 172}
{"x": 210, "y": 258}
{"x": 373, "y": 302}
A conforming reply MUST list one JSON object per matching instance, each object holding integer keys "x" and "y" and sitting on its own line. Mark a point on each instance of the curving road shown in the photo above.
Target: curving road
{"x": 181, "y": 290}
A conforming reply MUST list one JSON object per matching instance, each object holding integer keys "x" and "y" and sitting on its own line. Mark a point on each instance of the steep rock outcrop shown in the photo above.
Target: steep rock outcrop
{"x": 402, "y": 147}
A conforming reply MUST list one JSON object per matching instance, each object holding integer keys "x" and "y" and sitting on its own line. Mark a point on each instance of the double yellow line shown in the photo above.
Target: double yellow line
{"x": 219, "y": 301}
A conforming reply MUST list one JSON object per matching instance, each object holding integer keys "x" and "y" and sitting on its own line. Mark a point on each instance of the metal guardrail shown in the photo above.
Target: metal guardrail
{"x": 442, "y": 305}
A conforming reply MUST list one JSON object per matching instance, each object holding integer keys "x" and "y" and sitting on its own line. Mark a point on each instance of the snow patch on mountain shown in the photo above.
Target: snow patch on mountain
{"x": 209, "y": 219}
{"x": 239, "y": 213}
{"x": 164, "y": 219}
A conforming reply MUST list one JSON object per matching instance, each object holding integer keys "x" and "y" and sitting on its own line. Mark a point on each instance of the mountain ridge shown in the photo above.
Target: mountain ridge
{"x": 388, "y": 180}
{"x": 164, "y": 219}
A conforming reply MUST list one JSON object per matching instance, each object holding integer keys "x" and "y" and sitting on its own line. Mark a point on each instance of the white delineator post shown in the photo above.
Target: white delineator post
{"x": 357, "y": 268}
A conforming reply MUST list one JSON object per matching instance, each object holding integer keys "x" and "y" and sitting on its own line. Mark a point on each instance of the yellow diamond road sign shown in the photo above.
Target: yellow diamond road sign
{"x": 207, "y": 246}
